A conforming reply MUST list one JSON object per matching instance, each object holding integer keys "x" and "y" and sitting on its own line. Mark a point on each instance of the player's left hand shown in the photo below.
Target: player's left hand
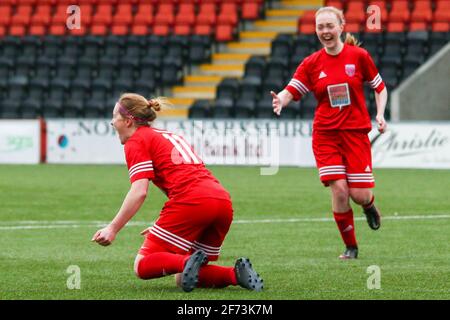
{"x": 381, "y": 123}
{"x": 104, "y": 236}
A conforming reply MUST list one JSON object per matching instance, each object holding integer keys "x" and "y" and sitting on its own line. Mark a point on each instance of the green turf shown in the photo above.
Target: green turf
{"x": 298, "y": 260}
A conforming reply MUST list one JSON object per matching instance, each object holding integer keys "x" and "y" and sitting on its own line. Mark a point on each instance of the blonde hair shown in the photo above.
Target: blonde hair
{"x": 349, "y": 38}
{"x": 141, "y": 110}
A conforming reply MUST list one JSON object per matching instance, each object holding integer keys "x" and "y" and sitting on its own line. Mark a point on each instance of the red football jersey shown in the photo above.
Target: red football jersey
{"x": 337, "y": 83}
{"x": 172, "y": 165}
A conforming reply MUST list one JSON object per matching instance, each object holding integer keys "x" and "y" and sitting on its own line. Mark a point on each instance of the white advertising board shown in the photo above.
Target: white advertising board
{"x": 20, "y": 141}
{"x": 412, "y": 145}
{"x": 251, "y": 142}
{"x": 83, "y": 142}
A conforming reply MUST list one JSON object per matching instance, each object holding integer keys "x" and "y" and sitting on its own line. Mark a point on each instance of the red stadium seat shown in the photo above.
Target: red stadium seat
{"x": 352, "y": 27}
{"x": 144, "y": 15}
{"x": 251, "y": 10}
{"x": 422, "y": 4}
{"x": 182, "y": 29}
{"x": 399, "y": 16}
{"x": 396, "y": 27}
{"x": 161, "y": 29}
{"x": 355, "y": 6}
{"x": 203, "y": 29}
{"x": 418, "y": 26}
{"x": 103, "y": 15}
{"x": 22, "y": 15}
{"x": 442, "y": 5}
{"x": 17, "y": 30}
{"x": 307, "y": 28}
{"x": 207, "y": 8}
{"x": 335, "y": 3}
{"x": 37, "y": 30}
{"x": 441, "y": 15}
{"x": 58, "y": 29}
{"x": 357, "y": 16}
{"x": 140, "y": 29}
{"x": 308, "y": 16}
{"x": 60, "y": 15}
{"x": 2, "y": 31}
{"x": 26, "y": 2}
{"x": 5, "y": 15}
{"x": 228, "y": 18}
{"x": 440, "y": 27}
{"x": 119, "y": 29}
{"x": 224, "y": 32}
{"x": 42, "y": 15}
{"x": 166, "y": 8}
{"x": 186, "y": 8}
{"x": 123, "y": 15}
{"x": 99, "y": 29}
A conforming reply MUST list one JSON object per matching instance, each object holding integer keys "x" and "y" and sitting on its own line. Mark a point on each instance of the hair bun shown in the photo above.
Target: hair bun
{"x": 154, "y": 104}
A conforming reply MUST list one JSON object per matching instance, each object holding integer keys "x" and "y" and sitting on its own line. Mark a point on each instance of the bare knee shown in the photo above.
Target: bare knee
{"x": 361, "y": 196}
{"x": 136, "y": 265}
{"x": 340, "y": 193}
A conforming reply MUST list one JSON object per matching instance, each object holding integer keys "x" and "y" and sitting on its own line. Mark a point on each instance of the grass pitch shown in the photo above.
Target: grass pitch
{"x": 283, "y": 223}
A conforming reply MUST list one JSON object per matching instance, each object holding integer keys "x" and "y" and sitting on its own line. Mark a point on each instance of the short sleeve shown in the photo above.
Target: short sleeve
{"x": 139, "y": 162}
{"x": 371, "y": 73}
{"x": 299, "y": 84}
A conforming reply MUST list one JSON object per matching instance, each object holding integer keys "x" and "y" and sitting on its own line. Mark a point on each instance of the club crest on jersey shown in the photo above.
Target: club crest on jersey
{"x": 350, "y": 69}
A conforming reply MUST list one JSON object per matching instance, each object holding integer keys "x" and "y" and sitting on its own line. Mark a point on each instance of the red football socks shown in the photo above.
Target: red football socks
{"x": 346, "y": 227}
{"x": 212, "y": 276}
{"x": 159, "y": 264}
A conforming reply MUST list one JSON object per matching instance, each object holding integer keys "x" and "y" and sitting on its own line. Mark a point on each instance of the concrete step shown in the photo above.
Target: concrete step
{"x": 230, "y": 58}
{"x": 206, "y": 92}
{"x": 249, "y": 47}
{"x": 224, "y": 70}
{"x": 300, "y": 4}
{"x": 283, "y": 14}
{"x": 201, "y": 80}
{"x": 276, "y": 25}
{"x": 174, "y": 113}
{"x": 181, "y": 103}
{"x": 257, "y": 36}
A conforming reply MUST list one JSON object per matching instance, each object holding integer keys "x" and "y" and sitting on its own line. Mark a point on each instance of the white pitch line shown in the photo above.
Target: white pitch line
{"x": 60, "y": 224}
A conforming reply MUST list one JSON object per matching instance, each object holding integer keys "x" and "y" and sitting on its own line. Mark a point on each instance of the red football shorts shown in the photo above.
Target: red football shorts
{"x": 344, "y": 154}
{"x": 183, "y": 228}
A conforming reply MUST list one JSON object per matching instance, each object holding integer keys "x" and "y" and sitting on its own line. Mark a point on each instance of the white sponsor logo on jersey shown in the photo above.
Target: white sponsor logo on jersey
{"x": 322, "y": 75}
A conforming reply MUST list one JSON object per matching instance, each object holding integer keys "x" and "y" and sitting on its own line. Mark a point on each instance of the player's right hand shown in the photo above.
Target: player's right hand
{"x": 105, "y": 236}
{"x": 276, "y": 103}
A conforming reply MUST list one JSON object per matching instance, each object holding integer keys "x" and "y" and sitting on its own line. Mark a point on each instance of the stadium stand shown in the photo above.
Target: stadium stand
{"x": 218, "y": 57}
{"x": 409, "y": 35}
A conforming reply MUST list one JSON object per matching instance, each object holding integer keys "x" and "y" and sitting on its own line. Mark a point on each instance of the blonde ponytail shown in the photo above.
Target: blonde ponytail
{"x": 351, "y": 40}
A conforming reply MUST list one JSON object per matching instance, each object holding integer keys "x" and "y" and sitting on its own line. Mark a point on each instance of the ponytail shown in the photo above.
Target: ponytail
{"x": 351, "y": 40}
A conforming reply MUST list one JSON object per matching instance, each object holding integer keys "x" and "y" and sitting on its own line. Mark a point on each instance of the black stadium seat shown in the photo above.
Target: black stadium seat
{"x": 10, "y": 109}
{"x": 200, "y": 109}
{"x": 228, "y": 88}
